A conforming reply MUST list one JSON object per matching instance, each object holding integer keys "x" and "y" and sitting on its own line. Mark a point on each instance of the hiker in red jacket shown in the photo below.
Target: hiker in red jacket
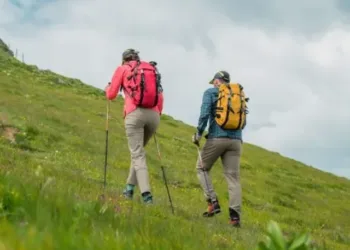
{"x": 143, "y": 106}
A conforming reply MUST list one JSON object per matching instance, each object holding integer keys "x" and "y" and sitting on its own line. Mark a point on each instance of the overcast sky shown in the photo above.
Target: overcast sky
{"x": 292, "y": 57}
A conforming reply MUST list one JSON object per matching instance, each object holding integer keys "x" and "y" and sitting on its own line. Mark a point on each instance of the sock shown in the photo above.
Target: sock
{"x": 130, "y": 187}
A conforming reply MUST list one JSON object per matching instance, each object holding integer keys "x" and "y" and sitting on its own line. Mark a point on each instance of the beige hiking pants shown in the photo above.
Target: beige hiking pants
{"x": 229, "y": 150}
{"x": 140, "y": 125}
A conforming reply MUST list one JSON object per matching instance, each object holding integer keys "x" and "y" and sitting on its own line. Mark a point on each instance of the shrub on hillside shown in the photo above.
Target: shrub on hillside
{"x": 276, "y": 241}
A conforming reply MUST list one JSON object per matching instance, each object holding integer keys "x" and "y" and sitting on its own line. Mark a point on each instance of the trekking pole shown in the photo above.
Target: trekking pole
{"x": 162, "y": 167}
{"x": 106, "y": 148}
{"x": 202, "y": 166}
{"x": 201, "y": 163}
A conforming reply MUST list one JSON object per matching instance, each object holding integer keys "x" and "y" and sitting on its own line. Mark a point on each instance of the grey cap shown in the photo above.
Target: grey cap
{"x": 222, "y": 75}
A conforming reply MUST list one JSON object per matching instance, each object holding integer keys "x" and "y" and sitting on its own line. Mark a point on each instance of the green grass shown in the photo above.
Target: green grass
{"x": 51, "y": 178}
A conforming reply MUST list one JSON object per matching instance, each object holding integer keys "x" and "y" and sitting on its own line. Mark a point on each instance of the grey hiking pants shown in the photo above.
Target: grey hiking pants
{"x": 229, "y": 150}
{"x": 140, "y": 125}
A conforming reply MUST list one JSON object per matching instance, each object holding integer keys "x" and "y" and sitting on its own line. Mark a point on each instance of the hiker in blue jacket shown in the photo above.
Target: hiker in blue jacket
{"x": 226, "y": 144}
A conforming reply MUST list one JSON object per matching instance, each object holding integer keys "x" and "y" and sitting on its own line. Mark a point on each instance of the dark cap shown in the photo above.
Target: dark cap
{"x": 130, "y": 54}
{"x": 222, "y": 75}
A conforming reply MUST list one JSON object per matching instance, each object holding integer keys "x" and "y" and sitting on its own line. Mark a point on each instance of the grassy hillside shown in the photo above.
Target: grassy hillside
{"x": 51, "y": 177}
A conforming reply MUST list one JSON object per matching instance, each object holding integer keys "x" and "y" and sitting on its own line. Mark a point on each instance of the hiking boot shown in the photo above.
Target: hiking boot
{"x": 213, "y": 208}
{"x": 147, "y": 198}
{"x": 234, "y": 218}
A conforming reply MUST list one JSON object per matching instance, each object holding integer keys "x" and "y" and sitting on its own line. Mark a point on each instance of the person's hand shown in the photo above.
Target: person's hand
{"x": 196, "y": 138}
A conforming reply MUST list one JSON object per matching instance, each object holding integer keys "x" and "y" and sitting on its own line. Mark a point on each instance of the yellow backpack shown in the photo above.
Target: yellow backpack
{"x": 231, "y": 108}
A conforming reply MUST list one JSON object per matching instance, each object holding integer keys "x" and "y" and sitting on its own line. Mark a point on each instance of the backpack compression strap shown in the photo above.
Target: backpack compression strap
{"x": 134, "y": 71}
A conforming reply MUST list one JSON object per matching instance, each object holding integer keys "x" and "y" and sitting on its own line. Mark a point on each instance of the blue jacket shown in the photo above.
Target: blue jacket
{"x": 208, "y": 113}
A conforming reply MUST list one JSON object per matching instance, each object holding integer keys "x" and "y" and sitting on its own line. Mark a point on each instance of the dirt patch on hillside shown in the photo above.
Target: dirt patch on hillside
{"x": 9, "y": 133}
{"x": 6, "y": 131}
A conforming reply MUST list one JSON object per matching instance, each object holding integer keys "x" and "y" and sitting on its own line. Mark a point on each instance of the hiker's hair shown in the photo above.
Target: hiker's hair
{"x": 224, "y": 80}
{"x": 132, "y": 57}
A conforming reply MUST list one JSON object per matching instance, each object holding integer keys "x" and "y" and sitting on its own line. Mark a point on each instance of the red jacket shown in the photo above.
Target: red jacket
{"x": 118, "y": 80}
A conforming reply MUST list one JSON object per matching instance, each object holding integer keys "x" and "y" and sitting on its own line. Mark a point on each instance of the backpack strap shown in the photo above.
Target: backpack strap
{"x": 134, "y": 72}
{"x": 159, "y": 87}
{"x": 142, "y": 84}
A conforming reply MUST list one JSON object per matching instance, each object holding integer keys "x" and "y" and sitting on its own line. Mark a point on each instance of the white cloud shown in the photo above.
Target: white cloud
{"x": 2, "y": 3}
{"x": 299, "y": 85}
{"x": 8, "y": 12}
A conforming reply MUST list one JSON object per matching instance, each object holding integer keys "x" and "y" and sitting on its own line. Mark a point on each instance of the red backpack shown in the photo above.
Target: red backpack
{"x": 144, "y": 84}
